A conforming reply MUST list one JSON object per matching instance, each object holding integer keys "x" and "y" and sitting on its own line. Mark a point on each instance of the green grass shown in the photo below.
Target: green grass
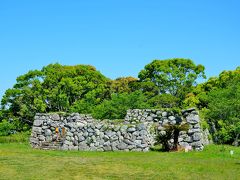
{"x": 22, "y": 137}
{"x": 20, "y": 161}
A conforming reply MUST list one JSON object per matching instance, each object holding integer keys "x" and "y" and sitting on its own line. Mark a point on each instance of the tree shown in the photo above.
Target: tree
{"x": 122, "y": 85}
{"x": 172, "y": 76}
{"x": 117, "y": 106}
{"x": 163, "y": 101}
{"x": 224, "y": 106}
{"x": 148, "y": 88}
{"x": 218, "y": 100}
{"x": 54, "y": 88}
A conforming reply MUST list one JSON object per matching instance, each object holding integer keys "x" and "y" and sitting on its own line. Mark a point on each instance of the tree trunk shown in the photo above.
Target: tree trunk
{"x": 175, "y": 138}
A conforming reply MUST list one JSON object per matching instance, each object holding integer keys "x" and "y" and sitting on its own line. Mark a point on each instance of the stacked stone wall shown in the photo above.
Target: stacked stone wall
{"x": 194, "y": 136}
{"x": 134, "y": 133}
{"x": 82, "y": 132}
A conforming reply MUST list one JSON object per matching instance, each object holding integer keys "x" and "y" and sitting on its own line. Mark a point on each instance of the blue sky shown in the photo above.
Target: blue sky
{"x": 118, "y": 37}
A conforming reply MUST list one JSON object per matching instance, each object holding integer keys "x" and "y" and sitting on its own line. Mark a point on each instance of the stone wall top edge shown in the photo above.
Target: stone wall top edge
{"x": 189, "y": 110}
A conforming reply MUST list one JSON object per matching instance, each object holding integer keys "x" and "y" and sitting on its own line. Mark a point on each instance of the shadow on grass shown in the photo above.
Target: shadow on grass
{"x": 157, "y": 149}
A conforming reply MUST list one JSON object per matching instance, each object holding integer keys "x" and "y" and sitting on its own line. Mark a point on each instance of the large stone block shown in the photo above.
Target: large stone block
{"x": 38, "y": 123}
{"x": 131, "y": 129}
{"x": 55, "y": 117}
{"x": 193, "y": 119}
{"x": 122, "y": 146}
{"x": 48, "y": 132}
{"x": 37, "y": 130}
{"x": 197, "y": 136}
{"x": 34, "y": 140}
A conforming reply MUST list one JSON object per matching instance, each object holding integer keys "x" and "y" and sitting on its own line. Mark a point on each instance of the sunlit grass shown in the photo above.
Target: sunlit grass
{"x": 20, "y": 161}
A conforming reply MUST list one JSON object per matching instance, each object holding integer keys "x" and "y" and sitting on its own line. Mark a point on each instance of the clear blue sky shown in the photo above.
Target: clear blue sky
{"x": 118, "y": 37}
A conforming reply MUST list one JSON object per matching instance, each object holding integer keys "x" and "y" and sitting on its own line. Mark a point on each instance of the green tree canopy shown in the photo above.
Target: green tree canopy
{"x": 172, "y": 76}
{"x": 223, "y": 112}
{"x": 122, "y": 85}
{"x": 54, "y": 88}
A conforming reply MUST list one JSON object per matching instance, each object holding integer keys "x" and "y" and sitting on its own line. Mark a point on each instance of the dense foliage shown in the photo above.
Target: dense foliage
{"x": 170, "y": 83}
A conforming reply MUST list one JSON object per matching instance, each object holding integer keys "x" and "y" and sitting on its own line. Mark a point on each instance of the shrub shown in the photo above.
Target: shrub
{"x": 6, "y": 128}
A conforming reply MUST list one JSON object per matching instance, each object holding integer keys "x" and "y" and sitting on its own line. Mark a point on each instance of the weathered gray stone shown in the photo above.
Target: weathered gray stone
{"x": 141, "y": 127}
{"x": 49, "y": 138}
{"x": 142, "y": 146}
{"x": 48, "y": 132}
{"x": 171, "y": 118}
{"x": 114, "y": 138}
{"x": 55, "y": 117}
{"x": 101, "y": 134}
{"x": 172, "y": 122}
{"x": 188, "y": 110}
{"x": 37, "y": 130}
{"x": 164, "y": 114}
{"x": 128, "y": 142}
{"x": 196, "y": 136}
{"x": 106, "y": 138}
{"x": 83, "y": 146}
{"x": 197, "y": 126}
{"x": 45, "y": 127}
{"x": 97, "y": 132}
{"x": 110, "y": 133}
{"x": 85, "y": 134}
{"x": 183, "y": 144}
{"x": 123, "y": 128}
{"x": 149, "y": 118}
{"x": 68, "y": 143}
{"x": 191, "y": 131}
{"x": 205, "y": 137}
{"x": 197, "y": 144}
{"x": 80, "y": 125}
{"x": 107, "y": 143}
{"x": 37, "y": 122}
{"x": 41, "y": 138}
{"x": 143, "y": 133}
{"x": 165, "y": 122}
{"x": 81, "y": 138}
{"x": 107, "y": 148}
{"x": 180, "y": 139}
{"x": 75, "y": 148}
{"x": 137, "y": 141}
{"x": 122, "y": 146}
{"x": 188, "y": 139}
{"x": 193, "y": 119}
{"x": 34, "y": 140}
{"x": 65, "y": 147}
{"x": 90, "y": 130}
{"x": 70, "y": 134}
{"x": 131, "y": 129}
{"x": 68, "y": 138}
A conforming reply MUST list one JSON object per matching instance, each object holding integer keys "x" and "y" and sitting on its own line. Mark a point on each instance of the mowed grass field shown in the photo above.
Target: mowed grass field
{"x": 20, "y": 161}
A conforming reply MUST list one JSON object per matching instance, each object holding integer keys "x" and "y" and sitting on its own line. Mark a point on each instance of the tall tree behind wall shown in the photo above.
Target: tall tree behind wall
{"x": 174, "y": 78}
{"x": 54, "y": 88}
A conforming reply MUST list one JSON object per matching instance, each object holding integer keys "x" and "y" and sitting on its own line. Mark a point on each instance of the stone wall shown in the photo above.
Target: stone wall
{"x": 194, "y": 137}
{"x": 134, "y": 133}
{"x": 82, "y": 132}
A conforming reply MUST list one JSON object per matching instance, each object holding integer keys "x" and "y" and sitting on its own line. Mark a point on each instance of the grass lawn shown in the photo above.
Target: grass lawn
{"x": 20, "y": 161}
